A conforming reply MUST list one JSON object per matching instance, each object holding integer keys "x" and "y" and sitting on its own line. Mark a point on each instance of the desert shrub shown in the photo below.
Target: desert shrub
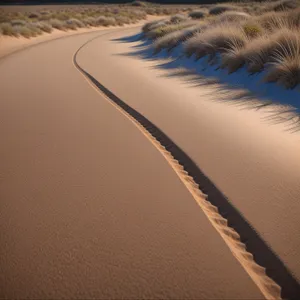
{"x": 7, "y": 29}
{"x": 18, "y": 22}
{"x": 138, "y": 3}
{"x": 105, "y": 21}
{"x": 272, "y": 21}
{"x": 34, "y": 15}
{"x": 197, "y": 14}
{"x": 285, "y": 5}
{"x": 219, "y": 9}
{"x": 153, "y": 25}
{"x": 73, "y": 24}
{"x": 57, "y": 24}
{"x": 23, "y": 31}
{"x": 178, "y": 18}
{"x": 43, "y": 26}
{"x": 214, "y": 40}
{"x": 232, "y": 16}
{"x": 293, "y": 19}
{"x": 89, "y": 21}
{"x": 120, "y": 20}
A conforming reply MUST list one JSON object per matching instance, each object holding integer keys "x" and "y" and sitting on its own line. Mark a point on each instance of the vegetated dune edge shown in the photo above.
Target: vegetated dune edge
{"x": 269, "y": 288}
{"x": 101, "y": 210}
{"x": 10, "y": 45}
{"x": 248, "y": 154}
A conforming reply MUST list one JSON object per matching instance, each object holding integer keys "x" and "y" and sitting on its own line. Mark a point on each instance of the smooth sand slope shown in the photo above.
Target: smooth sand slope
{"x": 89, "y": 207}
{"x": 252, "y": 160}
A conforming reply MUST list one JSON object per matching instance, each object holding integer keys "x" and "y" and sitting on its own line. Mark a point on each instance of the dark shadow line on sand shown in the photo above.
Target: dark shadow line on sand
{"x": 262, "y": 253}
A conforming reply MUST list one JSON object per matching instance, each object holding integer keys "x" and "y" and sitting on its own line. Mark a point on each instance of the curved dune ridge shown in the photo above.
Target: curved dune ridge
{"x": 269, "y": 288}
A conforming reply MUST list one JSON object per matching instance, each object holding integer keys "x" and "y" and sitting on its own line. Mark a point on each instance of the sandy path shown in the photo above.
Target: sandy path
{"x": 89, "y": 207}
{"x": 253, "y": 162}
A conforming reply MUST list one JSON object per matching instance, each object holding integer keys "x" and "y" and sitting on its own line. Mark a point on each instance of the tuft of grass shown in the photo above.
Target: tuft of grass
{"x": 18, "y": 23}
{"x": 89, "y": 21}
{"x": 232, "y": 16}
{"x": 34, "y": 15}
{"x": 105, "y": 21}
{"x": 173, "y": 39}
{"x": 284, "y": 5}
{"x": 197, "y": 14}
{"x": 217, "y": 39}
{"x": 57, "y": 24}
{"x": 272, "y": 21}
{"x": 219, "y": 9}
{"x": 154, "y": 25}
{"x": 7, "y": 29}
{"x": 285, "y": 71}
{"x": 138, "y": 4}
{"x": 166, "y": 29}
{"x": 73, "y": 24}
{"x": 178, "y": 18}
{"x": 43, "y": 26}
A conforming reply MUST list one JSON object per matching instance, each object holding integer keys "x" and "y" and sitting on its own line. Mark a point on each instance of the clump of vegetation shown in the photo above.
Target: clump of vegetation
{"x": 30, "y": 24}
{"x": 285, "y": 5}
{"x": 7, "y": 29}
{"x": 252, "y": 30}
{"x": 197, "y": 14}
{"x": 217, "y": 39}
{"x": 178, "y": 18}
{"x": 235, "y": 36}
{"x": 138, "y": 3}
{"x": 57, "y": 24}
{"x": 219, "y": 9}
{"x": 161, "y": 31}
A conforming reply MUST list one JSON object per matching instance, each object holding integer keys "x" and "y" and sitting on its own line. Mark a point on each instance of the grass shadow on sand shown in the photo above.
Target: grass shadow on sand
{"x": 240, "y": 88}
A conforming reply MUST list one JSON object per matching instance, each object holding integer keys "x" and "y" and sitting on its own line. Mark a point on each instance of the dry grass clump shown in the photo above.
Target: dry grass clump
{"x": 57, "y": 24}
{"x": 284, "y": 5}
{"x": 233, "y": 39}
{"x": 43, "y": 26}
{"x": 285, "y": 71}
{"x": 161, "y": 31}
{"x": 172, "y": 40}
{"x": 178, "y": 18}
{"x": 232, "y": 16}
{"x": 154, "y": 25}
{"x": 197, "y": 14}
{"x": 34, "y": 15}
{"x": 105, "y": 21}
{"x": 33, "y": 23}
{"x": 138, "y": 3}
{"x": 7, "y": 29}
{"x": 73, "y": 24}
{"x": 279, "y": 48}
{"x": 18, "y": 23}
{"x": 272, "y": 21}
{"x": 214, "y": 40}
{"x": 219, "y": 9}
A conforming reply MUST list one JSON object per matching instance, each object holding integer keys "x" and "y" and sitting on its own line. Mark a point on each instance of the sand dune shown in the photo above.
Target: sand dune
{"x": 92, "y": 207}
{"x": 252, "y": 161}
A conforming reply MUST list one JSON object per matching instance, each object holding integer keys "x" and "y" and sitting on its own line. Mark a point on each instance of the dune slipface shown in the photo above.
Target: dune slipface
{"x": 90, "y": 206}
